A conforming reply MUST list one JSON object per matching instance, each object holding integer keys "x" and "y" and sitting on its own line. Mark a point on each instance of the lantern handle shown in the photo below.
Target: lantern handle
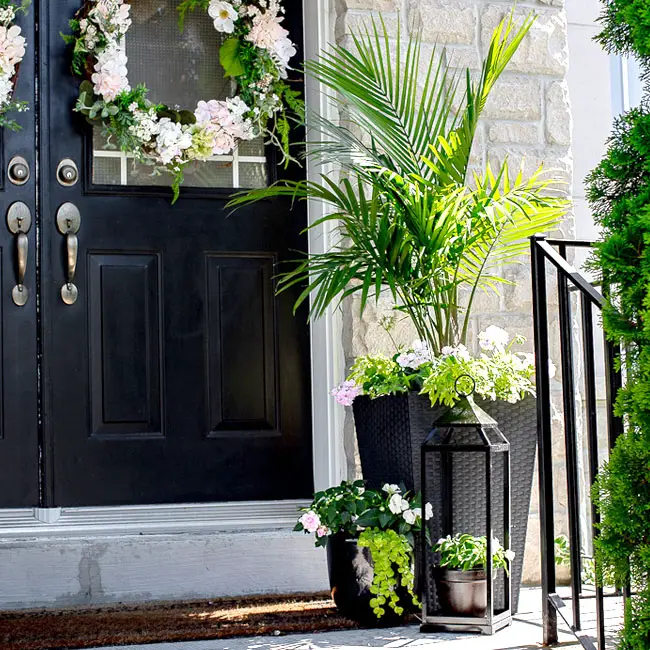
{"x": 461, "y": 393}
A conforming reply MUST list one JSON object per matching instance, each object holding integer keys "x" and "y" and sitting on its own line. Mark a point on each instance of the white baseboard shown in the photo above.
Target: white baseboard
{"x": 93, "y": 570}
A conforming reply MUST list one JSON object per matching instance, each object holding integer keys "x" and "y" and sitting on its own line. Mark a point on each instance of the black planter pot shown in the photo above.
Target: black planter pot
{"x": 461, "y": 593}
{"x": 351, "y": 571}
{"x": 390, "y": 431}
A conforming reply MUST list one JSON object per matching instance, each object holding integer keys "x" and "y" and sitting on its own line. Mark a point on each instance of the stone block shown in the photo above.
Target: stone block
{"x": 558, "y": 114}
{"x": 445, "y": 21}
{"x": 376, "y": 5}
{"x": 543, "y": 51}
{"x": 515, "y": 98}
{"x": 514, "y": 133}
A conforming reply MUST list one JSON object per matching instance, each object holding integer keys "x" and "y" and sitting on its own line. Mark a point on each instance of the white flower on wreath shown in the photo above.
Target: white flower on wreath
{"x": 224, "y": 16}
{"x": 7, "y": 15}
{"x": 12, "y": 48}
{"x": 397, "y": 504}
{"x": 6, "y": 89}
{"x": 110, "y": 76}
{"x": 171, "y": 140}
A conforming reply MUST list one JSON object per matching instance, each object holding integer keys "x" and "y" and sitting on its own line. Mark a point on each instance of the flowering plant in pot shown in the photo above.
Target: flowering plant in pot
{"x": 370, "y": 538}
{"x": 413, "y": 223}
{"x": 460, "y": 577}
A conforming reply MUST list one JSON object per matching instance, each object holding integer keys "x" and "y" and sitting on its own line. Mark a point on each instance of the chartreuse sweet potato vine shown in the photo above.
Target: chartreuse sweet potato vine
{"x": 619, "y": 193}
{"x": 392, "y": 555}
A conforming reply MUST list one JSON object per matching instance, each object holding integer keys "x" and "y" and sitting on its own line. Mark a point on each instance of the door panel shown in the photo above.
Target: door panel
{"x": 19, "y": 449}
{"x": 177, "y": 375}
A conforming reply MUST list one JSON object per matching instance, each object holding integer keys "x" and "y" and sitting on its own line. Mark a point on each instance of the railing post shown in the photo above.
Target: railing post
{"x": 592, "y": 438}
{"x": 570, "y": 440}
{"x": 544, "y": 432}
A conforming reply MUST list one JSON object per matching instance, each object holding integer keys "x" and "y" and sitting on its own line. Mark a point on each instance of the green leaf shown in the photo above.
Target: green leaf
{"x": 230, "y": 59}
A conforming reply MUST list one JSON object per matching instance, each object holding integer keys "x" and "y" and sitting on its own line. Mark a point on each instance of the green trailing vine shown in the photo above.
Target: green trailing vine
{"x": 619, "y": 193}
{"x": 392, "y": 556}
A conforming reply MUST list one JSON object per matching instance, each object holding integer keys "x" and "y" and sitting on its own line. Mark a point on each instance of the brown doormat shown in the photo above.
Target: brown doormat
{"x": 169, "y": 621}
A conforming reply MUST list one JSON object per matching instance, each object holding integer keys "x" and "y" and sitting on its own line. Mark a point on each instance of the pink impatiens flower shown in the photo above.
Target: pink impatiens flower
{"x": 310, "y": 521}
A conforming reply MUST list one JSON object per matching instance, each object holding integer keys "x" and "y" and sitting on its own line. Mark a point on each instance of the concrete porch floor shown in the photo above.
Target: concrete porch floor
{"x": 524, "y": 634}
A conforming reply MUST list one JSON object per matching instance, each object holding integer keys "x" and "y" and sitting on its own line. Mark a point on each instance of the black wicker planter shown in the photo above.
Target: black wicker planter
{"x": 391, "y": 429}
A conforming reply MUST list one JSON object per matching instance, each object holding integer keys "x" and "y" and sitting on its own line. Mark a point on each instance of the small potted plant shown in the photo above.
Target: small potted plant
{"x": 460, "y": 577}
{"x": 370, "y": 539}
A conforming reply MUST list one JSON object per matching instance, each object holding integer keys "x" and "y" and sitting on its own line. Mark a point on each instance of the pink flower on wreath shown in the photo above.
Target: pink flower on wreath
{"x": 346, "y": 392}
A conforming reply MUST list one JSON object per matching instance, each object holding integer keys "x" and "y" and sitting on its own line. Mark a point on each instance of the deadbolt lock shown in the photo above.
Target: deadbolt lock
{"x": 18, "y": 170}
{"x": 67, "y": 173}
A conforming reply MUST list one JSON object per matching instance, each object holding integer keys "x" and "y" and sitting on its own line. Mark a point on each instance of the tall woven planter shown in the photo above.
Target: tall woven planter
{"x": 390, "y": 431}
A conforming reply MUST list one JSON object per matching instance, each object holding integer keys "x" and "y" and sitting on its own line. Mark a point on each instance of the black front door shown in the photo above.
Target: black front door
{"x": 176, "y": 375}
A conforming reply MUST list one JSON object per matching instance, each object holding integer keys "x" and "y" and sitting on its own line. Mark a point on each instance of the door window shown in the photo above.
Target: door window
{"x": 178, "y": 68}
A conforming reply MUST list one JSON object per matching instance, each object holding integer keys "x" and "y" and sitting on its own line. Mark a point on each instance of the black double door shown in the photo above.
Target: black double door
{"x": 172, "y": 372}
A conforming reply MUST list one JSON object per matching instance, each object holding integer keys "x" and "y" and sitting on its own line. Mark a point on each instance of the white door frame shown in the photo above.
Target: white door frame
{"x": 327, "y": 367}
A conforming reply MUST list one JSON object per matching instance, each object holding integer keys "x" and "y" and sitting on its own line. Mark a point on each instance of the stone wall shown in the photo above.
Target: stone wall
{"x": 527, "y": 119}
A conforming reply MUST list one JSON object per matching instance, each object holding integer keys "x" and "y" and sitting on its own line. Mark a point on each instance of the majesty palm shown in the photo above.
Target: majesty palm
{"x": 412, "y": 221}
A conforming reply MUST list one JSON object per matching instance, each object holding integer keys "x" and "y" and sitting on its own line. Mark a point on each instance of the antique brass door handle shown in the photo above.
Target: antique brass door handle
{"x": 68, "y": 221}
{"x": 19, "y": 221}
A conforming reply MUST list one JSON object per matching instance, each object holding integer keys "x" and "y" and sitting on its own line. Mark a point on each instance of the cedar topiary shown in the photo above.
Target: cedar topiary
{"x": 619, "y": 193}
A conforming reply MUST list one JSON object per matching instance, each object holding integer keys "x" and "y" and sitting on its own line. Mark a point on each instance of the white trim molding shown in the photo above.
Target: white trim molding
{"x": 149, "y": 520}
{"x": 328, "y": 361}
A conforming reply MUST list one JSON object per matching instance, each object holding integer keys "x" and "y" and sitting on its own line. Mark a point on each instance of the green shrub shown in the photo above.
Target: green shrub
{"x": 619, "y": 193}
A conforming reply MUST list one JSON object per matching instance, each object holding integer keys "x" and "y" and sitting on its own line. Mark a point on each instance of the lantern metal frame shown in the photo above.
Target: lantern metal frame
{"x": 467, "y": 415}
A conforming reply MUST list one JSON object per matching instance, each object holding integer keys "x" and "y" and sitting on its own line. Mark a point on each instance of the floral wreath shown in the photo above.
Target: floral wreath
{"x": 12, "y": 52}
{"x": 255, "y": 54}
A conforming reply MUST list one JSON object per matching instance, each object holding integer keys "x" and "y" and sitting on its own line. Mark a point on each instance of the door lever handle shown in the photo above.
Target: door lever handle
{"x": 19, "y": 221}
{"x": 68, "y": 221}
{"x": 72, "y": 246}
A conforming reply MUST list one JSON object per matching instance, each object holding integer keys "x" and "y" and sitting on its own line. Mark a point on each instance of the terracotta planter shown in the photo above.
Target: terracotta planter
{"x": 390, "y": 431}
{"x": 351, "y": 571}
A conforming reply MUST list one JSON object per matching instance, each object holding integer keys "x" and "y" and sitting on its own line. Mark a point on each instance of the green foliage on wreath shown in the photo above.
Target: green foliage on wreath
{"x": 392, "y": 556}
{"x": 619, "y": 193}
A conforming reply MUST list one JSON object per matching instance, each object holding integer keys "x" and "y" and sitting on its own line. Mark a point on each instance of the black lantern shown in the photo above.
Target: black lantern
{"x": 465, "y": 475}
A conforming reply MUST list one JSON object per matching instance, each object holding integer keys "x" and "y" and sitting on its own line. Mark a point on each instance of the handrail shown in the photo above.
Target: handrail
{"x": 569, "y": 280}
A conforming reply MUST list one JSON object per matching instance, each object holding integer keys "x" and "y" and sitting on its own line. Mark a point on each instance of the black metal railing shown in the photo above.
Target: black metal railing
{"x": 549, "y": 255}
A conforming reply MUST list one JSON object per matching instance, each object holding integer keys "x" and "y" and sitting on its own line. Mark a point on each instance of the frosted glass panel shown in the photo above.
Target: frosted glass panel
{"x": 179, "y": 69}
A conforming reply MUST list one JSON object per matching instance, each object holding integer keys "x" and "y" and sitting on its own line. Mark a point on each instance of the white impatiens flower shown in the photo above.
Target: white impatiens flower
{"x": 417, "y": 356}
{"x": 397, "y": 504}
{"x": 224, "y": 16}
{"x": 391, "y": 488}
{"x": 510, "y": 555}
{"x": 494, "y": 338}
{"x": 411, "y": 516}
{"x": 428, "y": 511}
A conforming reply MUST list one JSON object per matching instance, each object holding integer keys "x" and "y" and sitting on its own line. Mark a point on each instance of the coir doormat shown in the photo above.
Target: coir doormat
{"x": 169, "y": 621}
